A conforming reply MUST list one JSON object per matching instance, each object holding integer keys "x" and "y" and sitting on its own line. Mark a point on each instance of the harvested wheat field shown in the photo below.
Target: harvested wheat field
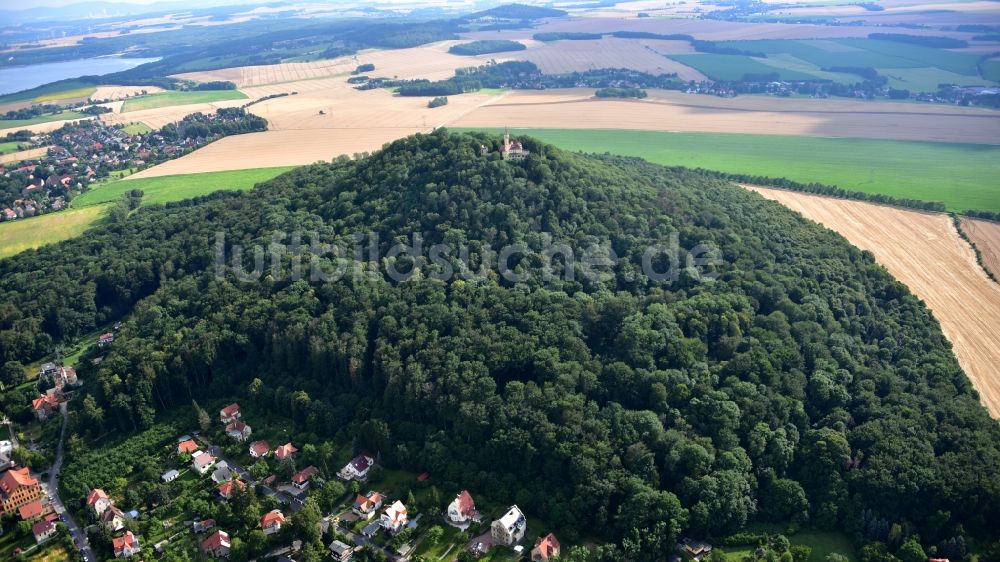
{"x": 428, "y": 61}
{"x": 986, "y": 236}
{"x": 41, "y": 127}
{"x": 161, "y": 116}
{"x": 578, "y": 56}
{"x": 672, "y": 111}
{"x": 23, "y": 155}
{"x": 923, "y": 251}
{"x": 115, "y": 93}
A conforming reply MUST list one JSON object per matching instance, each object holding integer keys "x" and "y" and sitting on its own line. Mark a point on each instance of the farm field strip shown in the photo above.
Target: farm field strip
{"x": 923, "y": 251}
{"x": 102, "y": 93}
{"x": 175, "y": 188}
{"x": 986, "y": 235}
{"x": 959, "y": 175}
{"x": 25, "y": 234}
{"x": 169, "y": 99}
{"x": 23, "y": 155}
{"x": 679, "y": 112}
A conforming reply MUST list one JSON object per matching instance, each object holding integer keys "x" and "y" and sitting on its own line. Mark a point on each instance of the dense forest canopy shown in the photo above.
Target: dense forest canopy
{"x": 802, "y": 384}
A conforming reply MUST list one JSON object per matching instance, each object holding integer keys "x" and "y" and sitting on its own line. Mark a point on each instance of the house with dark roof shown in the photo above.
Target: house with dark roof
{"x": 358, "y": 468}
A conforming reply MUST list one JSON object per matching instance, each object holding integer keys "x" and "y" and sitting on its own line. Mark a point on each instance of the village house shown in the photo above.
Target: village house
{"x": 203, "y": 525}
{"x": 32, "y": 511}
{"x": 226, "y": 489}
{"x": 43, "y": 531}
{"x": 285, "y": 451}
{"x": 170, "y": 475}
{"x": 201, "y": 462}
{"x": 462, "y": 509}
{"x": 358, "y": 468}
{"x": 509, "y": 529}
{"x": 394, "y": 517}
{"x": 546, "y": 548}
{"x": 217, "y": 544}
{"x": 9, "y": 214}
{"x": 272, "y": 521}
{"x": 259, "y": 449}
{"x": 694, "y": 549}
{"x": 45, "y": 406}
{"x": 222, "y": 472}
{"x": 238, "y": 430}
{"x": 301, "y": 478}
{"x": 367, "y": 505}
{"x": 512, "y": 150}
{"x": 187, "y": 447}
{"x": 98, "y": 501}
{"x": 230, "y": 413}
{"x": 113, "y": 518}
{"x": 106, "y": 339}
{"x": 126, "y": 545}
{"x": 340, "y": 551}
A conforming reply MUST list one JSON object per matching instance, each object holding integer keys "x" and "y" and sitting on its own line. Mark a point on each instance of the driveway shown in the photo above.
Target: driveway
{"x": 79, "y": 536}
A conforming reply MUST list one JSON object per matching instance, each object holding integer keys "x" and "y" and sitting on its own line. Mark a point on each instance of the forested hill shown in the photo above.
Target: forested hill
{"x": 803, "y": 384}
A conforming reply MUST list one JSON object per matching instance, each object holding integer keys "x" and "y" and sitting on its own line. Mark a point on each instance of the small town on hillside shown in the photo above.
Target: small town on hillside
{"x": 80, "y": 155}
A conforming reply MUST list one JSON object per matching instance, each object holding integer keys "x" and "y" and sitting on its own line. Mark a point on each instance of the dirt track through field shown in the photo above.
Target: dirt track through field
{"x": 923, "y": 251}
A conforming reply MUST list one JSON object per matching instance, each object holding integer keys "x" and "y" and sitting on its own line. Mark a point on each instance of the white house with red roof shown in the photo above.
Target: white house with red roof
{"x": 546, "y": 548}
{"x": 238, "y": 430}
{"x": 272, "y": 521}
{"x": 106, "y": 339}
{"x": 462, "y": 509}
{"x": 367, "y": 505}
{"x": 126, "y": 545}
{"x": 230, "y": 413}
{"x": 259, "y": 449}
{"x": 394, "y": 517}
{"x": 43, "y": 531}
{"x": 285, "y": 451}
{"x": 45, "y": 406}
{"x": 98, "y": 501}
{"x": 202, "y": 462}
{"x": 301, "y": 478}
{"x": 358, "y": 468}
{"x": 187, "y": 446}
{"x": 217, "y": 544}
{"x": 227, "y": 488}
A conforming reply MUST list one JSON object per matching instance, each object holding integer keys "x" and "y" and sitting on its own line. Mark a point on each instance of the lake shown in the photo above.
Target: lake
{"x": 19, "y": 78}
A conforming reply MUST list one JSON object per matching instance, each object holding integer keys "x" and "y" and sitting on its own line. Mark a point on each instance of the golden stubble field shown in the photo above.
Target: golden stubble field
{"x": 986, "y": 236}
{"x": 923, "y": 251}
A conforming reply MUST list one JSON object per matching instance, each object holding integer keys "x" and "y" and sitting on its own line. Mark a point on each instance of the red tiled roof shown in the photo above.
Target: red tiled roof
{"x": 16, "y": 478}
{"x": 231, "y": 409}
{"x": 126, "y": 540}
{"x": 204, "y": 459}
{"x": 95, "y": 495}
{"x": 45, "y": 401}
{"x": 466, "y": 506}
{"x": 226, "y": 488}
{"x": 260, "y": 448}
{"x": 215, "y": 540}
{"x": 188, "y": 446}
{"x": 272, "y": 518}
{"x": 31, "y": 510}
{"x": 236, "y": 425}
{"x": 304, "y": 474}
{"x": 547, "y": 545}
{"x": 42, "y": 527}
{"x": 284, "y": 451}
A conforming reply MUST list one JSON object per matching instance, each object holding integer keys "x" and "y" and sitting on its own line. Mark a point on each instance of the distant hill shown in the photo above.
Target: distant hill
{"x": 518, "y": 12}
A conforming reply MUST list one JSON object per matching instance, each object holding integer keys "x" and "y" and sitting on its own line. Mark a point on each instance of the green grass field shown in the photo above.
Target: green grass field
{"x": 963, "y": 176}
{"x": 137, "y": 128}
{"x": 167, "y": 99}
{"x": 8, "y": 147}
{"x": 24, "y": 234}
{"x": 64, "y": 89}
{"x": 733, "y": 67}
{"x": 822, "y": 544}
{"x": 63, "y": 116}
{"x": 991, "y": 70}
{"x": 175, "y": 188}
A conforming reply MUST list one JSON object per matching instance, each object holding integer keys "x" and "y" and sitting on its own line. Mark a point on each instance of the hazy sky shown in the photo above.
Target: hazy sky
{"x": 25, "y": 4}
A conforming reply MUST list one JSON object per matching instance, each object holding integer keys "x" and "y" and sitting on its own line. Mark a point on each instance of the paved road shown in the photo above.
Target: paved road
{"x": 79, "y": 536}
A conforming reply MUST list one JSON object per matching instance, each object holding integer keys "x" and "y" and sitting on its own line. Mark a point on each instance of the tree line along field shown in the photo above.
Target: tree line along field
{"x": 170, "y": 98}
{"x": 61, "y": 116}
{"x": 962, "y": 176}
{"x": 907, "y": 66}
